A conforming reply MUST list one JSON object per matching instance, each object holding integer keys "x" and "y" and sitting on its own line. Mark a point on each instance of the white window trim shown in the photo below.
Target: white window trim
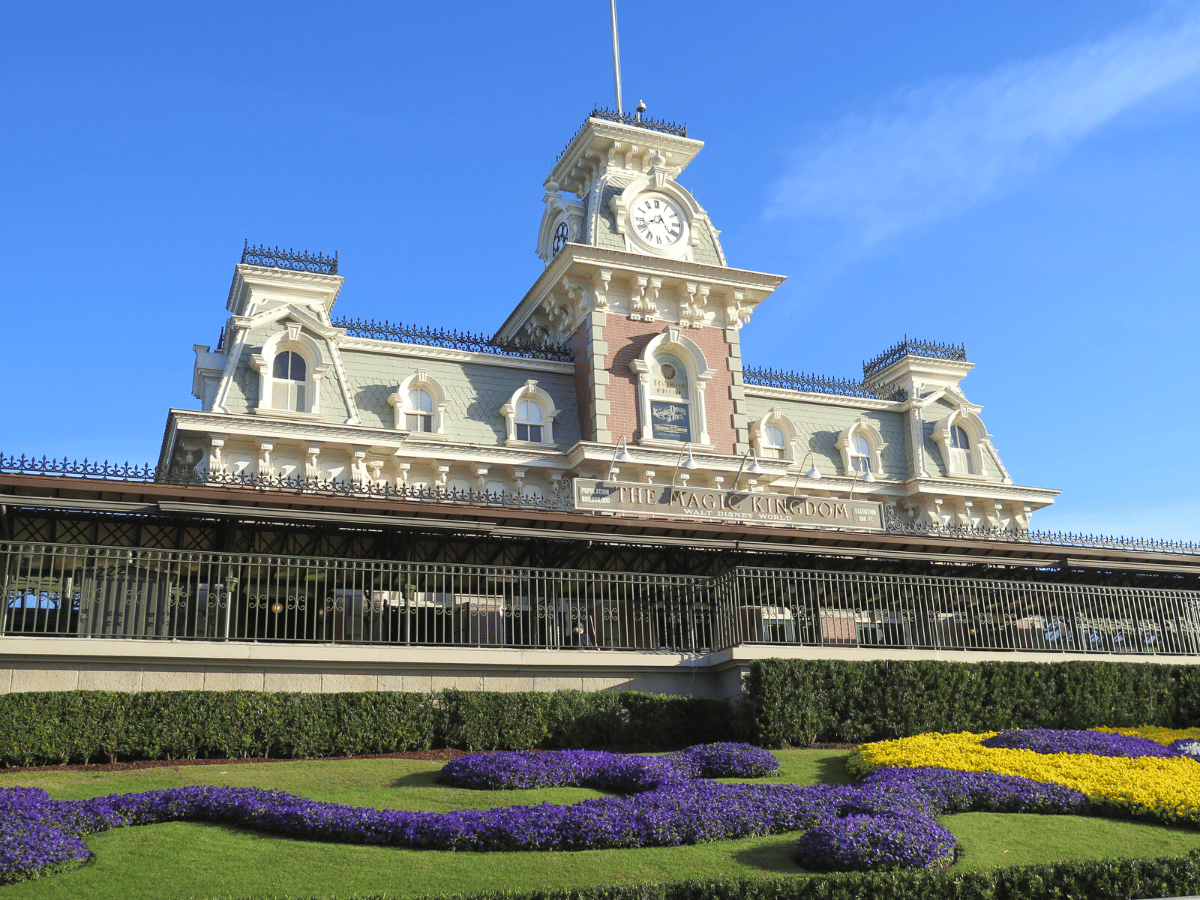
{"x": 875, "y": 443}
{"x": 530, "y": 391}
{"x": 676, "y": 343}
{"x": 758, "y": 435}
{"x": 399, "y": 403}
{"x": 977, "y": 434}
{"x": 292, "y": 339}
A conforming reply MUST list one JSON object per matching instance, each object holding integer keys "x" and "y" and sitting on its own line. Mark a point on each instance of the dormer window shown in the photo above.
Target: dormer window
{"x": 773, "y": 445}
{"x": 289, "y": 373}
{"x": 529, "y": 421}
{"x": 418, "y": 415}
{"x": 773, "y": 436}
{"x": 529, "y": 415}
{"x": 420, "y": 405}
{"x": 960, "y": 451}
{"x": 860, "y": 454}
{"x": 961, "y": 439}
{"x": 862, "y": 446}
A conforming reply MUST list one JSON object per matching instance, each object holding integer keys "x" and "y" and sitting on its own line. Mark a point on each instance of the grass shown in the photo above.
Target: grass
{"x": 184, "y": 860}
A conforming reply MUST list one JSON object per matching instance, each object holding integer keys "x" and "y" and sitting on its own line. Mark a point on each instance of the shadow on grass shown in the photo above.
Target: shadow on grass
{"x": 417, "y": 779}
{"x": 775, "y": 856}
{"x": 833, "y": 770}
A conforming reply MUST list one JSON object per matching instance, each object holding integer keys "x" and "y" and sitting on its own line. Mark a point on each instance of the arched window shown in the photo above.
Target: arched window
{"x": 773, "y": 436}
{"x": 289, "y": 373}
{"x": 672, "y": 375}
{"x": 529, "y": 421}
{"x": 420, "y": 404}
{"x": 860, "y": 454}
{"x": 960, "y": 451}
{"x": 418, "y": 414}
{"x": 529, "y": 415}
{"x": 861, "y": 446}
{"x": 773, "y": 446}
{"x": 670, "y": 400}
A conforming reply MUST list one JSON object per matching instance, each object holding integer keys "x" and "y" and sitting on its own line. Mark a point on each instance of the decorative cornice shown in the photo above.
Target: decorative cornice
{"x": 420, "y": 351}
{"x": 770, "y": 393}
{"x": 979, "y": 489}
{"x": 393, "y": 443}
{"x": 585, "y": 256}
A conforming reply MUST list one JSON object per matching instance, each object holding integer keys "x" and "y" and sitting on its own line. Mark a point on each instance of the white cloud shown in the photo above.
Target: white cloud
{"x": 941, "y": 148}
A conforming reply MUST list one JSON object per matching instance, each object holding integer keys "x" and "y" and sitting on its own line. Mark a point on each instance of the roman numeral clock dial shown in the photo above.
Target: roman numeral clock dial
{"x": 656, "y": 221}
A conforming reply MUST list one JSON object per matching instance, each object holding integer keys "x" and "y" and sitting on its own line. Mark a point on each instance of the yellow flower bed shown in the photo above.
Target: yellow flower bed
{"x": 1168, "y": 789}
{"x": 1163, "y": 736}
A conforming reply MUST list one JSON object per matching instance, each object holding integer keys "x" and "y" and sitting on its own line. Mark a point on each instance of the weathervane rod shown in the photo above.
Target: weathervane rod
{"x": 616, "y": 55}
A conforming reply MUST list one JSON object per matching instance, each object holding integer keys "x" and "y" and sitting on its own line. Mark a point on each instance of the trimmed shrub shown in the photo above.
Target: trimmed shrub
{"x": 801, "y": 702}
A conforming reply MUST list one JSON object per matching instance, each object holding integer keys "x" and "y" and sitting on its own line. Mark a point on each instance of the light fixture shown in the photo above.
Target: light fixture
{"x": 812, "y": 473}
{"x": 688, "y": 463}
{"x": 754, "y": 468}
{"x": 277, "y": 607}
{"x": 620, "y": 455}
{"x": 868, "y": 476}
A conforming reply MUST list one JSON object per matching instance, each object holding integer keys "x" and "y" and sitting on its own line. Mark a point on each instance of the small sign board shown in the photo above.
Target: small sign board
{"x": 670, "y": 421}
{"x": 729, "y": 506}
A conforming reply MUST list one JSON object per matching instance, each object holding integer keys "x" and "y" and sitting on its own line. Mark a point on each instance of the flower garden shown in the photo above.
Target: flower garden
{"x": 887, "y": 820}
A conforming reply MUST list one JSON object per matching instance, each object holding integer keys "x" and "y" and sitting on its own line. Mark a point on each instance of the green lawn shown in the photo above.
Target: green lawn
{"x": 184, "y": 860}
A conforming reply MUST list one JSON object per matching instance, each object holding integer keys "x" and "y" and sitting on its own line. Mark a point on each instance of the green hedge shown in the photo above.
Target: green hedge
{"x": 801, "y": 702}
{"x": 74, "y": 726}
{"x": 1087, "y": 880}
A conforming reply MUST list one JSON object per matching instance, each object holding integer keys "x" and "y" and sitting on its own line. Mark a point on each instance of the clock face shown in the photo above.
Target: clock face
{"x": 657, "y": 221}
{"x": 561, "y": 236}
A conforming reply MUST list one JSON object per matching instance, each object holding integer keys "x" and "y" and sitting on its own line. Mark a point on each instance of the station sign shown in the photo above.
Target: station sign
{"x": 665, "y": 501}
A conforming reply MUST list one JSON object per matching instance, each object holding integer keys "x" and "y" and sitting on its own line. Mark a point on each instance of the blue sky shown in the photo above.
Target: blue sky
{"x": 1020, "y": 177}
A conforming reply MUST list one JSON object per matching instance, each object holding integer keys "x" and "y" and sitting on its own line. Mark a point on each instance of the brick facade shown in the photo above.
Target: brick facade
{"x": 626, "y": 340}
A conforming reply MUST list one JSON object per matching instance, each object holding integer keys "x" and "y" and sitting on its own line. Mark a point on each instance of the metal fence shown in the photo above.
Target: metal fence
{"x": 110, "y": 592}
{"x": 62, "y": 590}
{"x": 847, "y": 609}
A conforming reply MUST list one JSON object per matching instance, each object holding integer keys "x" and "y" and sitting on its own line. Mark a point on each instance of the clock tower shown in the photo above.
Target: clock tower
{"x": 637, "y": 285}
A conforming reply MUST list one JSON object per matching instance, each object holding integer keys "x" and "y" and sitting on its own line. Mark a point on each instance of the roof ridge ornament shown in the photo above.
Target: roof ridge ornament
{"x": 294, "y": 260}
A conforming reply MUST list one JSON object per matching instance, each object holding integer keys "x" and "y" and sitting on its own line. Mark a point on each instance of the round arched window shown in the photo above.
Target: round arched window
{"x": 419, "y": 415}
{"x": 670, "y": 400}
{"x": 289, "y": 373}
{"x": 773, "y": 446}
{"x": 860, "y": 454}
{"x": 960, "y": 451}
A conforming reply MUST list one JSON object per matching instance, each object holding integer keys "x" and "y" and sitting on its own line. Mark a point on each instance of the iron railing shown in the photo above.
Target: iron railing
{"x": 930, "y": 349}
{"x": 635, "y": 119}
{"x": 456, "y": 340}
{"x": 850, "y": 609}
{"x": 109, "y": 592}
{"x": 560, "y": 498}
{"x": 296, "y": 260}
{"x": 819, "y": 384}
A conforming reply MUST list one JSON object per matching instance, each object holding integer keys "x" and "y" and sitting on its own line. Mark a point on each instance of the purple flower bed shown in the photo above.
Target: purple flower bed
{"x": 42, "y": 835}
{"x": 618, "y": 772}
{"x": 1189, "y": 747}
{"x": 862, "y": 842}
{"x": 1097, "y": 743}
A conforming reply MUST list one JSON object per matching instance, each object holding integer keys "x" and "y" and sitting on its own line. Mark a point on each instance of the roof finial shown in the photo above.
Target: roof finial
{"x": 616, "y": 55}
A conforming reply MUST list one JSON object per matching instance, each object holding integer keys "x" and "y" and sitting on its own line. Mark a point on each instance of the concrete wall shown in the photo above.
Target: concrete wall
{"x": 63, "y": 664}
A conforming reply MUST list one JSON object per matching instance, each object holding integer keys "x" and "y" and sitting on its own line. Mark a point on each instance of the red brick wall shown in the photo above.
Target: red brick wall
{"x": 578, "y": 343}
{"x": 627, "y": 340}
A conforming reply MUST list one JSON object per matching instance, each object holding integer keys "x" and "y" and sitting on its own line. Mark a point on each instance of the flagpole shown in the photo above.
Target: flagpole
{"x": 616, "y": 55}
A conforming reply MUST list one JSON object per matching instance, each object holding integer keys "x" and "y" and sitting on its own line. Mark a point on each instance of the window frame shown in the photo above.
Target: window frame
{"x": 291, "y": 340}
{"x": 402, "y": 403}
{"x": 862, "y": 430}
{"x": 537, "y": 398}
